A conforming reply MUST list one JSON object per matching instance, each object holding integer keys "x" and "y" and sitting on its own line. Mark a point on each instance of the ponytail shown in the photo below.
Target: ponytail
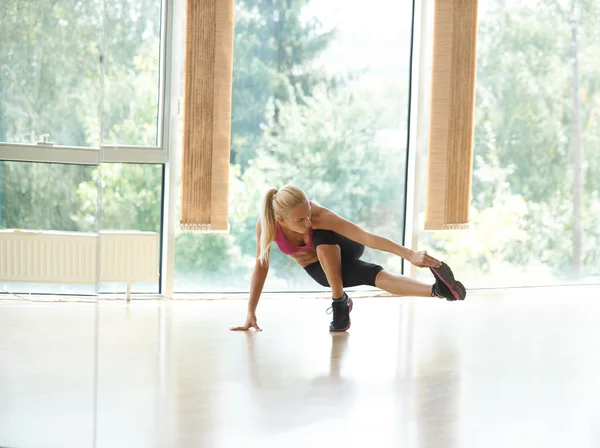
{"x": 287, "y": 198}
{"x": 268, "y": 225}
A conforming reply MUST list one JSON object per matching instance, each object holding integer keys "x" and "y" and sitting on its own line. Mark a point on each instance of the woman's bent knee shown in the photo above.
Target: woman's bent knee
{"x": 326, "y": 249}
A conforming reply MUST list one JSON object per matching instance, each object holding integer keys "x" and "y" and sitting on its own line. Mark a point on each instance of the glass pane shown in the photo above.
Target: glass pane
{"x": 536, "y": 202}
{"x": 50, "y": 71}
{"x": 132, "y": 72}
{"x": 320, "y": 100}
{"x": 48, "y": 197}
{"x": 132, "y": 208}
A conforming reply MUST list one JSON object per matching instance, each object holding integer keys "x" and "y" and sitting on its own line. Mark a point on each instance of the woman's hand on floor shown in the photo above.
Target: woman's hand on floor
{"x": 250, "y": 323}
{"x": 423, "y": 260}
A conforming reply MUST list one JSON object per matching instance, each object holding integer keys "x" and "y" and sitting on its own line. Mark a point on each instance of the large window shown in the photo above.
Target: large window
{"x": 536, "y": 191}
{"x": 80, "y": 84}
{"x": 320, "y": 100}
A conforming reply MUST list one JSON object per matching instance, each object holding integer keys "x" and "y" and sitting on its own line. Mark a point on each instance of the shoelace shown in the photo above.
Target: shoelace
{"x": 330, "y": 309}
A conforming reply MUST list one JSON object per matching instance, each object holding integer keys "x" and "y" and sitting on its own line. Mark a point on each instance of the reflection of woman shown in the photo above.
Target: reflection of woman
{"x": 329, "y": 248}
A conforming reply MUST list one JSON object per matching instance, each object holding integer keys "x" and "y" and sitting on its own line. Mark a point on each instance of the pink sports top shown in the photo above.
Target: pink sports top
{"x": 287, "y": 247}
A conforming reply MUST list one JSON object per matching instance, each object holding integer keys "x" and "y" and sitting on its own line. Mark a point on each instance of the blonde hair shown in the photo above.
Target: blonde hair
{"x": 276, "y": 204}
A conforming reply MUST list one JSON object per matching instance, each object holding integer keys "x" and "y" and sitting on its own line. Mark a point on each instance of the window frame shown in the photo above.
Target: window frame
{"x": 168, "y": 119}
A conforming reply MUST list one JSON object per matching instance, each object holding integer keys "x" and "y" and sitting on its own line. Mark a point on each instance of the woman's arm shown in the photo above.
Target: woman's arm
{"x": 259, "y": 275}
{"x": 328, "y": 220}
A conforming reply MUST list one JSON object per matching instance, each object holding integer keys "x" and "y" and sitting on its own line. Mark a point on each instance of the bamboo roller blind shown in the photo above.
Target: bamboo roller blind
{"x": 207, "y": 115}
{"x": 450, "y": 143}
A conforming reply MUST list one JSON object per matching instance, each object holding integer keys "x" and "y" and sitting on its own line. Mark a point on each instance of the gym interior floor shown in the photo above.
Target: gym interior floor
{"x": 518, "y": 368}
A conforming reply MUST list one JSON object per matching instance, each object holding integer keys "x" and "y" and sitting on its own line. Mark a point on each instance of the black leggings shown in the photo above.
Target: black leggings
{"x": 355, "y": 272}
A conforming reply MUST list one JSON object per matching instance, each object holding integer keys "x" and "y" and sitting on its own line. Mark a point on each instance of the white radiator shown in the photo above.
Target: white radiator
{"x": 128, "y": 256}
{"x": 48, "y": 257}
{"x": 72, "y": 257}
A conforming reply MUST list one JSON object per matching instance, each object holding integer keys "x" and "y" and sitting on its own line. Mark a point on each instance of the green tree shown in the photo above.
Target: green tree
{"x": 50, "y": 64}
{"x": 58, "y": 77}
{"x": 44, "y": 196}
{"x": 537, "y": 122}
{"x": 130, "y": 197}
{"x": 275, "y": 48}
{"x": 330, "y": 144}
{"x": 131, "y": 87}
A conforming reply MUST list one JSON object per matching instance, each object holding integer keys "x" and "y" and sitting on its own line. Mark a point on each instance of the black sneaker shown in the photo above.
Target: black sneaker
{"x": 341, "y": 314}
{"x": 441, "y": 291}
{"x": 446, "y": 285}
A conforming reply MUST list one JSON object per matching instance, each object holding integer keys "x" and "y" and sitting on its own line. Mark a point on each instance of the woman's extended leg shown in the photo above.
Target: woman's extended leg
{"x": 402, "y": 286}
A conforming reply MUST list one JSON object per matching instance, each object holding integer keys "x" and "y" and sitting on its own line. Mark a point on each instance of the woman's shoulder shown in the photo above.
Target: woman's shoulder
{"x": 319, "y": 214}
{"x": 316, "y": 208}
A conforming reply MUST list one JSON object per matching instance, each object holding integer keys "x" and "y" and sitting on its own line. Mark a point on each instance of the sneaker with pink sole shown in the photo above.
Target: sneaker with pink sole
{"x": 446, "y": 285}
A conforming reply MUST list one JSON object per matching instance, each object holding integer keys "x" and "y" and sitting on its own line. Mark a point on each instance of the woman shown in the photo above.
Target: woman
{"x": 329, "y": 248}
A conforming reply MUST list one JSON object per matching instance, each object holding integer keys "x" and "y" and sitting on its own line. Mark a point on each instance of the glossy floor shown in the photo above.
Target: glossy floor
{"x": 507, "y": 368}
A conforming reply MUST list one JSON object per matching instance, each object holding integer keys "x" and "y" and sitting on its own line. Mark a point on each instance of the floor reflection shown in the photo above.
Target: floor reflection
{"x": 496, "y": 371}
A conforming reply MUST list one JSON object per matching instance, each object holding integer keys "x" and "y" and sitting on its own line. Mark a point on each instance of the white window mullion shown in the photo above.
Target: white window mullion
{"x": 133, "y": 154}
{"x": 171, "y": 136}
{"x": 49, "y": 153}
{"x": 418, "y": 126}
{"x": 81, "y": 155}
{"x": 166, "y": 60}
